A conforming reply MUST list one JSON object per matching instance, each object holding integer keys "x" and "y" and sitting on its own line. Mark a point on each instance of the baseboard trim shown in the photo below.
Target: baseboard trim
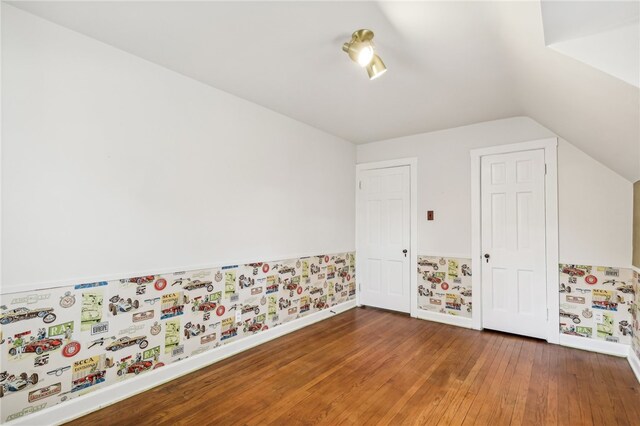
{"x": 444, "y": 318}
{"x": 635, "y": 363}
{"x": 114, "y": 393}
{"x": 593, "y": 345}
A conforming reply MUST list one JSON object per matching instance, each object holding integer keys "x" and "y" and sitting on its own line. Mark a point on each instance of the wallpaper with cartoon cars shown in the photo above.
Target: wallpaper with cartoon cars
{"x": 597, "y": 302}
{"x": 635, "y": 341}
{"x": 59, "y": 343}
{"x": 444, "y": 285}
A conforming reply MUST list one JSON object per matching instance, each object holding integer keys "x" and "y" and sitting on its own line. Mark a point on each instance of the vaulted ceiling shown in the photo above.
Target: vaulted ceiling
{"x": 450, "y": 64}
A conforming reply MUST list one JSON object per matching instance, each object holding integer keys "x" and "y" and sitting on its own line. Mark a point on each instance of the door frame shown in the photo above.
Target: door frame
{"x": 550, "y": 146}
{"x": 412, "y": 162}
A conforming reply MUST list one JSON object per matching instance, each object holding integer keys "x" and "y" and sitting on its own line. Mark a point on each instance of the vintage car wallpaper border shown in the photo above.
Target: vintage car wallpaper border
{"x": 635, "y": 342}
{"x": 597, "y": 302}
{"x": 444, "y": 285}
{"x": 59, "y": 343}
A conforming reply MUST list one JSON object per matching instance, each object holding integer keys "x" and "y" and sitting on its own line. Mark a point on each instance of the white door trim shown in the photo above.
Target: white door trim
{"x": 550, "y": 147}
{"x": 413, "y": 209}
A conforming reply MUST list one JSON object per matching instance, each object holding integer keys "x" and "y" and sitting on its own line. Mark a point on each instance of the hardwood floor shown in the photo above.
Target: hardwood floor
{"x": 368, "y": 366}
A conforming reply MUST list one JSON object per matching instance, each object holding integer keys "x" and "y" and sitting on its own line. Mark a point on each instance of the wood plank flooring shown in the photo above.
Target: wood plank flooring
{"x": 369, "y": 366}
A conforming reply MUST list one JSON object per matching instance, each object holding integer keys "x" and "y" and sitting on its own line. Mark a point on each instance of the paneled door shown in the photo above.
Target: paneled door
{"x": 514, "y": 287}
{"x": 384, "y": 238}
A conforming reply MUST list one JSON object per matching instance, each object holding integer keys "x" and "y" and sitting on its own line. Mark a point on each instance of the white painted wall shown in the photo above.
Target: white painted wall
{"x": 596, "y": 211}
{"x": 113, "y": 165}
{"x": 594, "y": 202}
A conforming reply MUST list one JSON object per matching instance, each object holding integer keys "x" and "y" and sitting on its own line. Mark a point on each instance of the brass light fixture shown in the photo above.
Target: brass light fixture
{"x": 360, "y": 49}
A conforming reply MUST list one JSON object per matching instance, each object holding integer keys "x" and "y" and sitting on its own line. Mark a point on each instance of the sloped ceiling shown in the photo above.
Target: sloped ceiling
{"x": 450, "y": 64}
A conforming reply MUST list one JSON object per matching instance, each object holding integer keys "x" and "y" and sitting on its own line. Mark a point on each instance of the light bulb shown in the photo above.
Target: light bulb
{"x": 360, "y": 49}
{"x": 365, "y": 55}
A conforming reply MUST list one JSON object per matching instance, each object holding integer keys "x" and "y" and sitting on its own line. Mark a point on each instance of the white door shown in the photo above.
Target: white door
{"x": 514, "y": 287}
{"x": 384, "y": 238}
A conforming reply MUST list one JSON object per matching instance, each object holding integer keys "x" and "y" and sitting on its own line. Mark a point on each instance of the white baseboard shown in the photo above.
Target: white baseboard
{"x": 593, "y": 345}
{"x": 634, "y": 362}
{"x": 444, "y": 318}
{"x": 111, "y": 394}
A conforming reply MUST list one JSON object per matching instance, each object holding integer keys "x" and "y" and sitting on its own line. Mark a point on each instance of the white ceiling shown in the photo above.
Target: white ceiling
{"x": 450, "y": 64}
{"x": 564, "y": 20}
{"x": 605, "y": 35}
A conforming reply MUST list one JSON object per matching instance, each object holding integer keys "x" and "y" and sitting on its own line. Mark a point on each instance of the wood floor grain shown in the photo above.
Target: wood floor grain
{"x": 368, "y": 366}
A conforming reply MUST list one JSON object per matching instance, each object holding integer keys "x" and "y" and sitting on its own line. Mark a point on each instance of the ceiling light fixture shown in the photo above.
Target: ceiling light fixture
{"x": 360, "y": 49}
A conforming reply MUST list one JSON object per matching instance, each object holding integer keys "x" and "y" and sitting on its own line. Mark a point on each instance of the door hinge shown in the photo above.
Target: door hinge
{"x": 545, "y": 168}
{"x": 360, "y": 185}
{"x": 359, "y": 287}
{"x": 547, "y": 313}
